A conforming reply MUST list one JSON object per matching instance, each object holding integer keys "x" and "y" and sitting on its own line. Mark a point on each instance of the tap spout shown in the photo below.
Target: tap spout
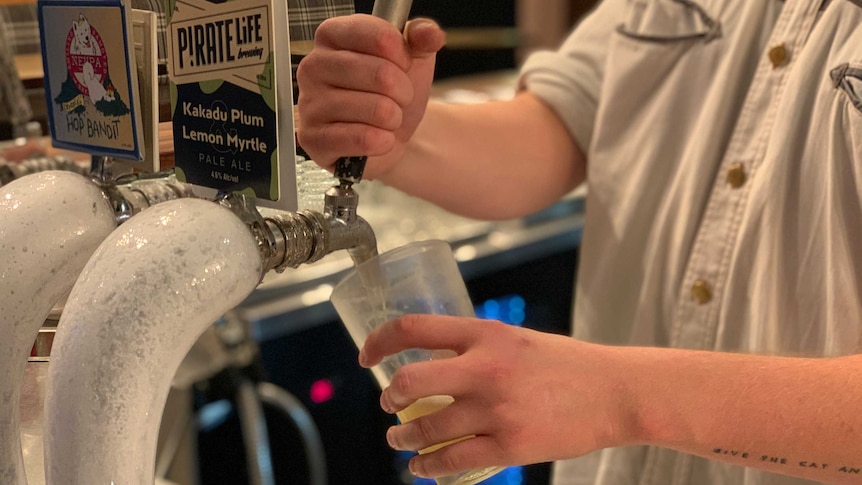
{"x": 291, "y": 239}
{"x": 308, "y": 236}
{"x": 348, "y": 230}
{"x": 145, "y": 296}
{"x": 50, "y": 224}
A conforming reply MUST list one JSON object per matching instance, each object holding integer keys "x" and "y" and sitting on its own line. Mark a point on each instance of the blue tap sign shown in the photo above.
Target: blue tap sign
{"x": 91, "y": 83}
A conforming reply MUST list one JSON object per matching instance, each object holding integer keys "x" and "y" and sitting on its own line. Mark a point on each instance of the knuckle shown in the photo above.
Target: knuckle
{"x": 406, "y": 324}
{"x": 304, "y": 137}
{"x": 497, "y": 370}
{"x": 425, "y": 431}
{"x": 384, "y": 41}
{"x": 386, "y": 77}
{"x": 326, "y": 28}
{"x": 322, "y": 136}
{"x": 307, "y": 142}
{"x": 362, "y": 139}
{"x": 451, "y": 461}
{"x": 386, "y": 113}
{"x": 497, "y": 413}
{"x": 307, "y": 67}
{"x": 404, "y": 381}
{"x": 506, "y": 449}
{"x": 301, "y": 69}
{"x": 316, "y": 140}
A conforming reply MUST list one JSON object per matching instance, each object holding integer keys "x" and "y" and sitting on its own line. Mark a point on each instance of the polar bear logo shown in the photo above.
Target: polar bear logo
{"x": 94, "y": 85}
{"x": 83, "y": 43}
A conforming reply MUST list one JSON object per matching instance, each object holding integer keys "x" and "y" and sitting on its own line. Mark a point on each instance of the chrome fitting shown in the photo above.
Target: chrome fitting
{"x": 301, "y": 238}
{"x": 290, "y": 239}
{"x": 131, "y": 194}
{"x": 340, "y": 202}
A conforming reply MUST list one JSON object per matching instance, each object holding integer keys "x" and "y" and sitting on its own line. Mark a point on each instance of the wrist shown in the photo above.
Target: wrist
{"x": 407, "y": 166}
{"x": 645, "y": 395}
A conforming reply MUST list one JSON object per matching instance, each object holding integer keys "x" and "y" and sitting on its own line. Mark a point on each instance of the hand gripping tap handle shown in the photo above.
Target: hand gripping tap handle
{"x": 349, "y": 170}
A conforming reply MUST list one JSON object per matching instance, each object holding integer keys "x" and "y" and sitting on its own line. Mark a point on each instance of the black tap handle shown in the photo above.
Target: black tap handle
{"x": 348, "y": 170}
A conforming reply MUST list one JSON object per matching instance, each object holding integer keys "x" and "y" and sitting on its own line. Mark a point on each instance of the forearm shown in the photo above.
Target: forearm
{"x": 794, "y": 416}
{"x": 491, "y": 161}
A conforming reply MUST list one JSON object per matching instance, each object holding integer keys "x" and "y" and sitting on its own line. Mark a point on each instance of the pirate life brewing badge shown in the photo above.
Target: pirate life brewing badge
{"x": 231, "y": 98}
{"x": 90, "y": 81}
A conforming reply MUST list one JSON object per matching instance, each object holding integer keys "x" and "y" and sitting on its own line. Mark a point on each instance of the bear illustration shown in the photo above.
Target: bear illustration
{"x": 83, "y": 43}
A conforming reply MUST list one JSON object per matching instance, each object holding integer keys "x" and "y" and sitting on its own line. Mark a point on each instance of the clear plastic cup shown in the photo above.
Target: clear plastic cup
{"x": 420, "y": 277}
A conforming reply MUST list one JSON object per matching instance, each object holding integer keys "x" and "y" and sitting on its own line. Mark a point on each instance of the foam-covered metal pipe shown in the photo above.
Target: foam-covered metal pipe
{"x": 148, "y": 292}
{"x": 50, "y": 224}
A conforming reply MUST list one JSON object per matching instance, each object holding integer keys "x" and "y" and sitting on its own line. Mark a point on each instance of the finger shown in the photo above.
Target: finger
{"x": 440, "y": 426}
{"x": 365, "y": 34}
{"x": 474, "y": 453}
{"x": 424, "y": 37}
{"x": 355, "y": 72}
{"x": 419, "y": 332}
{"x": 421, "y": 379}
{"x": 364, "y": 108}
{"x": 341, "y": 138}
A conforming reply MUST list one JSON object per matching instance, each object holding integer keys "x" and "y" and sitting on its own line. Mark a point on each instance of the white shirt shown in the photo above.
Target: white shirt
{"x": 724, "y": 146}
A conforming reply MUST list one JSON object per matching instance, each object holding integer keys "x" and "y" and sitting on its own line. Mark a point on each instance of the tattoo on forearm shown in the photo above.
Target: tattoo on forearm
{"x": 753, "y": 458}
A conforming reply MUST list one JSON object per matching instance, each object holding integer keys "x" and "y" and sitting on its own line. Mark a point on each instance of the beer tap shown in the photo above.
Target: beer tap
{"x": 341, "y": 200}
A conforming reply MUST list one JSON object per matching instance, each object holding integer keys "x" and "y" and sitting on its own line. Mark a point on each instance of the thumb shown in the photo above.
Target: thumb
{"x": 424, "y": 37}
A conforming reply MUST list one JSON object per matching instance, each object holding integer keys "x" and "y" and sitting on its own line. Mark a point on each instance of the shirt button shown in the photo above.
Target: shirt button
{"x": 778, "y": 55}
{"x": 701, "y": 292}
{"x": 736, "y": 176}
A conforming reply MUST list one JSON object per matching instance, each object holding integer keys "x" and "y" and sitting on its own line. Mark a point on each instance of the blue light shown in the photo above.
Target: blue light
{"x": 516, "y": 317}
{"x": 509, "y": 309}
{"x": 492, "y": 309}
{"x": 517, "y": 303}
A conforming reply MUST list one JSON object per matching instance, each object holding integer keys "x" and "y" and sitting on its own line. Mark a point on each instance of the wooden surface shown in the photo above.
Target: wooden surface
{"x": 17, "y": 2}
{"x": 29, "y": 66}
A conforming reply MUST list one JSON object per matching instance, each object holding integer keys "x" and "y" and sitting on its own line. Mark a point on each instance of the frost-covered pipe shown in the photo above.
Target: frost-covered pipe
{"x": 50, "y": 224}
{"x": 148, "y": 292}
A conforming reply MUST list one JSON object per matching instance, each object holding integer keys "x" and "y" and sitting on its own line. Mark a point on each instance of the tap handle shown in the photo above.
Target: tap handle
{"x": 393, "y": 11}
{"x": 348, "y": 170}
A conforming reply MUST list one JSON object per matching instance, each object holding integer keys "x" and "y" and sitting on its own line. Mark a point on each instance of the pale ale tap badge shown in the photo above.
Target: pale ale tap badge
{"x": 232, "y": 98}
{"x": 91, "y": 83}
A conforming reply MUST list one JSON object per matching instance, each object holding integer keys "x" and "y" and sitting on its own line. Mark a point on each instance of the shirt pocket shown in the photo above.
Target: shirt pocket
{"x": 844, "y": 119}
{"x": 847, "y": 78}
{"x": 659, "y": 61}
{"x": 661, "y": 21}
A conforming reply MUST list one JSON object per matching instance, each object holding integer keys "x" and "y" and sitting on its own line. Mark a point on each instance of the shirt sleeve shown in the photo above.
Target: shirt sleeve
{"x": 569, "y": 80}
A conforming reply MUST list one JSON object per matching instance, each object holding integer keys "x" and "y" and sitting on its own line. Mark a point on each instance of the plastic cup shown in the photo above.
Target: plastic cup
{"x": 421, "y": 277}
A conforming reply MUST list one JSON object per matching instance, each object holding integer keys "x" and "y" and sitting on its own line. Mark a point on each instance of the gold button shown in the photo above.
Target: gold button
{"x": 736, "y": 176}
{"x": 701, "y": 292}
{"x": 778, "y": 55}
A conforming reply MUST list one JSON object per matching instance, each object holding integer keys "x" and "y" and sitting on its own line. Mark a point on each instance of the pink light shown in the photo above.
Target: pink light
{"x": 322, "y": 391}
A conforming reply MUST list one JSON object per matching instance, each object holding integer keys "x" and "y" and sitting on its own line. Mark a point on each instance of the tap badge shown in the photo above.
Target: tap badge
{"x": 91, "y": 81}
{"x": 88, "y": 78}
